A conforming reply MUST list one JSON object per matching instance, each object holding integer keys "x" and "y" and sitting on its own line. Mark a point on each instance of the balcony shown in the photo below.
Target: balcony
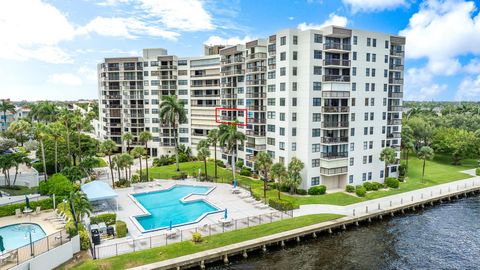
{"x": 113, "y": 97}
{"x": 114, "y": 124}
{"x": 168, "y": 87}
{"x": 170, "y": 144}
{"x": 232, "y": 60}
{"x": 336, "y": 62}
{"x": 272, "y": 66}
{"x": 335, "y": 124}
{"x": 113, "y": 106}
{"x": 394, "y": 122}
{"x": 205, "y": 85}
{"x": 395, "y": 80}
{"x": 337, "y": 46}
{"x": 258, "y": 55}
{"x": 335, "y": 109}
{"x": 134, "y": 97}
{"x": 335, "y": 94}
{"x": 256, "y": 108}
{"x": 255, "y": 133}
{"x": 395, "y": 108}
{"x": 396, "y": 67}
{"x": 257, "y": 120}
{"x": 333, "y": 140}
{"x": 250, "y": 157}
{"x": 229, "y": 84}
{"x": 256, "y": 95}
{"x": 394, "y": 135}
{"x": 258, "y": 147}
{"x": 336, "y": 78}
{"x": 333, "y": 171}
{"x": 397, "y": 53}
{"x": 164, "y": 67}
{"x": 395, "y": 94}
{"x": 168, "y": 77}
{"x": 233, "y": 72}
{"x": 257, "y": 69}
{"x": 256, "y": 82}
{"x": 233, "y": 96}
{"x": 334, "y": 155}
{"x": 135, "y": 124}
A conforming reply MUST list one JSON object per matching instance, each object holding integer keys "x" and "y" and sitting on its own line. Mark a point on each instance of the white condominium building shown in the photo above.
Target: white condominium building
{"x": 331, "y": 97}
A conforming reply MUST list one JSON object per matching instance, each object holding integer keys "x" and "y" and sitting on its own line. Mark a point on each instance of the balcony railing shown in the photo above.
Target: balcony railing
{"x": 395, "y": 108}
{"x": 256, "y": 95}
{"x": 233, "y": 72}
{"x": 335, "y": 94}
{"x": 394, "y": 121}
{"x": 113, "y": 97}
{"x": 168, "y": 87}
{"x": 397, "y": 53}
{"x": 334, "y": 140}
{"x": 167, "y": 67}
{"x": 335, "y": 109}
{"x": 232, "y": 60}
{"x": 394, "y": 135}
{"x": 259, "y": 55}
{"x": 234, "y": 96}
{"x": 229, "y": 84}
{"x": 257, "y": 69}
{"x": 395, "y": 94}
{"x": 168, "y": 77}
{"x": 333, "y": 171}
{"x": 395, "y": 81}
{"x": 255, "y": 133}
{"x": 336, "y": 62}
{"x": 337, "y": 46}
{"x": 336, "y": 78}
{"x": 256, "y": 108}
{"x": 334, "y": 124}
{"x": 334, "y": 155}
{"x": 256, "y": 146}
{"x": 396, "y": 67}
{"x": 257, "y": 120}
{"x": 205, "y": 85}
{"x": 256, "y": 82}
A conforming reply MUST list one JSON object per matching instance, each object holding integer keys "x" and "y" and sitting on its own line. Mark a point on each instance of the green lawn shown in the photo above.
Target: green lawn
{"x": 100, "y": 163}
{"x": 187, "y": 247}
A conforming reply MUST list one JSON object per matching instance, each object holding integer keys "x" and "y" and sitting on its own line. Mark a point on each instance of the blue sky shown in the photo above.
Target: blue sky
{"x": 50, "y": 48}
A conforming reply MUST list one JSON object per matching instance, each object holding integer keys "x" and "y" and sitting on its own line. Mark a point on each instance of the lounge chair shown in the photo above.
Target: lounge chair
{"x": 18, "y": 212}
{"x": 172, "y": 233}
{"x": 158, "y": 184}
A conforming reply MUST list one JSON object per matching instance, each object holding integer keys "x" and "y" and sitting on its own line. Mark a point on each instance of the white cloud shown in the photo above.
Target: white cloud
{"x": 473, "y": 67}
{"x": 441, "y": 31}
{"x": 333, "y": 19}
{"x": 88, "y": 73}
{"x": 291, "y": 18}
{"x": 184, "y": 15}
{"x": 216, "y": 40}
{"x": 66, "y": 79}
{"x": 33, "y": 32}
{"x": 124, "y": 27}
{"x": 469, "y": 89}
{"x": 373, "y": 5}
{"x": 419, "y": 85}
{"x": 110, "y": 3}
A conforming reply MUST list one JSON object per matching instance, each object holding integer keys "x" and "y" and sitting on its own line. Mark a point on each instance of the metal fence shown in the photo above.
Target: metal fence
{"x": 22, "y": 200}
{"x": 186, "y": 234}
{"x": 22, "y": 254}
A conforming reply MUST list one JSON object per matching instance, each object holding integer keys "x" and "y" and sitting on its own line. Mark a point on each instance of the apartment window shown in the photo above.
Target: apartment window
{"x": 271, "y": 153}
{"x": 385, "y": 87}
{"x": 294, "y": 116}
{"x": 364, "y": 176}
{"x": 354, "y": 56}
{"x": 369, "y": 176}
{"x": 355, "y": 39}
{"x": 282, "y": 131}
{"x": 368, "y": 57}
{"x": 350, "y": 179}
{"x": 282, "y": 86}
{"x": 385, "y": 73}
{"x": 271, "y": 141}
{"x": 386, "y": 44}
{"x": 294, "y": 102}
{"x": 294, "y": 71}
{"x": 364, "y": 159}
{"x": 365, "y": 145}
{"x": 294, "y": 146}
{"x": 386, "y": 59}
{"x": 352, "y": 117}
{"x": 282, "y": 102}
{"x": 295, "y": 55}
{"x": 381, "y": 173}
{"x": 294, "y": 86}
{"x": 367, "y": 87}
{"x": 366, "y": 101}
{"x": 352, "y": 161}
{"x": 271, "y": 88}
{"x": 271, "y": 101}
{"x": 294, "y": 132}
{"x": 373, "y": 72}
{"x": 283, "y": 56}
{"x": 295, "y": 40}
{"x": 316, "y": 148}
{"x": 283, "y": 71}
{"x": 315, "y": 132}
{"x": 271, "y": 75}
{"x": 317, "y": 54}
{"x": 182, "y": 62}
{"x": 366, "y": 116}
{"x": 145, "y": 64}
{"x": 352, "y": 132}
{"x": 315, "y": 163}
{"x": 384, "y": 114}
{"x": 281, "y": 145}
{"x": 372, "y": 101}
{"x": 283, "y": 41}
{"x": 384, "y": 102}
{"x": 317, "y": 70}
{"x": 145, "y": 73}
{"x": 183, "y": 139}
{"x": 183, "y": 92}
{"x": 316, "y": 117}
{"x": 352, "y": 146}
{"x": 369, "y": 42}
{"x": 154, "y": 63}
{"x": 317, "y": 38}
{"x": 270, "y": 115}
{"x": 317, "y": 102}
{"x": 372, "y": 88}
{"x": 370, "y": 145}
{"x": 365, "y": 131}
{"x": 317, "y": 86}
{"x": 182, "y": 73}
{"x": 372, "y": 116}
{"x": 183, "y": 130}
{"x": 383, "y": 143}
{"x": 354, "y": 71}
{"x": 383, "y": 129}
{"x": 374, "y": 57}
{"x": 371, "y": 130}
{"x": 315, "y": 181}
{"x": 354, "y": 86}
{"x": 282, "y": 116}
{"x": 271, "y": 128}
{"x": 367, "y": 72}
{"x": 374, "y": 42}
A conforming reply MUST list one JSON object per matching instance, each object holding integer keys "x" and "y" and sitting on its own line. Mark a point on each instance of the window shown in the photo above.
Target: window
{"x": 366, "y": 116}
{"x": 373, "y": 86}
{"x": 317, "y": 38}
{"x": 182, "y": 62}
{"x": 374, "y": 57}
{"x": 295, "y": 55}
{"x": 384, "y": 103}
{"x": 372, "y": 101}
{"x": 317, "y": 70}
{"x": 316, "y": 117}
{"x": 183, "y": 139}
{"x": 294, "y": 102}
{"x": 294, "y": 71}
{"x": 317, "y": 86}
{"x": 282, "y": 101}
{"x": 294, "y": 116}
{"x": 271, "y": 88}
{"x": 282, "y": 86}
{"x": 367, "y": 72}
{"x": 281, "y": 145}
{"x": 385, "y": 73}
{"x": 374, "y": 43}
{"x": 353, "y": 101}
{"x": 372, "y": 116}
{"x": 366, "y": 101}
{"x": 367, "y": 87}
{"x": 385, "y": 87}
{"x": 354, "y": 86}
{"x": 365, "y": 131}
{"x": 271, "y": 101}
{"x": 370, "y": 145}
{"x": 364, "y": 176}
{"x": 316, "y": 148}
{"x": 282, "y": 116}
{"x": 317, "y": 102}
{"x": 283, "y": 56}
{"x": 364, "y": 159}
{"x": 271, "y": 141}
{"x": 368, "y": 57}
{"x": 352, "y": 146}
{"x": 386, "y": 59}
{"x": 369, "y": 42}
{"x": 315, "y": 181}
{"x": 354, "y": 56}
{"x": 317, "y": 54}
{"x": 386, "y": 44}
{"x": 352, "y": 132}
{"x": 283, "y": 41}
{"x": 371, "y": 130}
{"x": 294, "y": 146}
{"x": 381, "y": 173}
{"x": 270, "y": 115}
{"x": 271, "y": 128}
{"x": 282, "y": 131}
{"x": 283, "y": 71}
{"x": 369, "y": 176}
{"x": 294, "y": 132}
{"x": 183, "y": 130}
{"x": 355, "y": 39}
{"x": 352, "y": 161}
{"x": 350, "y": 179}
{"x": 294, "y": 86}
{"x": 295, "y": 40}
{"x": 183, "y": 92}
{"x": 315, "y": 132}
{"x": 373, "y": 72}
{"x": 354, "y": 71}
{"x": 315, "y": 162}
{"x": 352, "y": 117}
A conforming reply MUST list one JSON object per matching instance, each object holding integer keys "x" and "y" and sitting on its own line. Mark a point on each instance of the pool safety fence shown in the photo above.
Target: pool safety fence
{"x": 175, "y": 236}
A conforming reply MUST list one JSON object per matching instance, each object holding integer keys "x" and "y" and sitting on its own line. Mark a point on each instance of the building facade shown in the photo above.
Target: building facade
{"x": 331, "y": 97}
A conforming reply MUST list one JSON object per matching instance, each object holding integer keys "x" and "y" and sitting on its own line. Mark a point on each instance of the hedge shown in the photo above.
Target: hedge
{"x": 377, "y": 185}
{"x": 246, "y": 172}
{"x": 360, "y": 191}
{"x": 392, "y": 182}
{"x": 108, "y": 218}
{"x": 120, "y": 229}
{"x": 477, "y": 171}
{"x": 368, "y": 186}
{"x": 317, "y": 190}
{"x": 300, "y": 191}
{"x": 9, "y": 210}
{"x": 350, "y": 189}
{"x": 281, "y": 205}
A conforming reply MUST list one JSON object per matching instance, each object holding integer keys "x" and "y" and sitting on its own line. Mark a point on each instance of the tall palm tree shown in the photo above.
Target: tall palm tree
{"x": 229, "y": 138}
{"x": 139, "y": 152}
{"x": 278, "y": 172}
{"x": 44, "y": 111}
{"x": 127, "y": 137}
{"x": 173, "y": 112}
{"x": 263, "y": 163}
{"x": 203, "y": 153}
{"x": 6, "y": 106}
{"x": 294, "y": 168}
{"x": 66, "y": 118}
{"x": 80, "y": 204}
{"x": 389, "y": 156}
{"x": 144, "y": 137}
{"x": 212, "y": 138}
{"x": 126, "y": 161}
{"x": 425, "y": 153}
{"x": 407, "y": 144}
{"x": 41, "y": 133}
{"x": 81, "y": 123}
{"x": 21, "y": 130}
{"x": 56, "y": 130}
{"x": 108, "y": 147}
{"x": 20, "y": 158}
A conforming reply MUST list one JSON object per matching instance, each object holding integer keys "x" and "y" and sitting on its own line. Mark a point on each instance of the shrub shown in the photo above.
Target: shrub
{"x": 317, "y": 190}
{"x": 246, "y": 172}
{"x": 220, "y": 163}
{"x": 377, "y": 185}
{"x": 122, "y": 183}
{"x": 59, "y": 184}
{"x": 300, "y": 191}
{"x": 368, "y": 186}
{"x": 392, "y": 182}
{"x": 477, "y": 171}
{"x": 120, "y": 229}
{"x": 284, "y": 188}
{"x": 136, "y": 178}
{"x": 350, "y": 189}
{"x": 9, "y": 210}
{"x": 197, "y": 237}
{"x": 239, "y": 164}
{"x": 281, "y": 205}
{"x": 108, "y": 218}
{"x": 360, "y": 191}
{"x": 180, "y": 176}
{"x": 402, "y": 169}
{"x": 84, "y": 239}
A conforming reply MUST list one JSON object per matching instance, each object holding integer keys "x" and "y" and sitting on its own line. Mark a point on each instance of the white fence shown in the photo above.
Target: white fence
{"x": 27, "y": 179}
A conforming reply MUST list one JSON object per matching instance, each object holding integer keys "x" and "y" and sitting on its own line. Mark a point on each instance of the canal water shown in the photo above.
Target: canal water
{"x": 445, "y": 236}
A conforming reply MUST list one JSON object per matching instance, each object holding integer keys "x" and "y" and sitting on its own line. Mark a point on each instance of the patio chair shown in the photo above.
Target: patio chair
{"x": 18, "y": 213}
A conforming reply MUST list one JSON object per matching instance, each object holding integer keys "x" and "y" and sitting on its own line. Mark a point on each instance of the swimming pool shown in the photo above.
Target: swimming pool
{"x": 166, "y": 206}
{"x": 16, "y": 235}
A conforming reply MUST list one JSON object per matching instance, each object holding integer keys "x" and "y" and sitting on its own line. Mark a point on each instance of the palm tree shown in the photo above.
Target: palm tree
{"x": 425, "y": 153}
{"x": 21, "y": 130}
{"x": 278, "y": 172}
{"x": 6, "y": 106}
{"x": 66, "y": 119}
{"x": 126, "y": 161}
{"x": 144, "y": 137}
{"x": 294, "y": 168}
{"x": 203, "y": 153}
{"x": 229, "y": 137}
{"x": 56, "y": 130}
{"x": 20, "y": 158}
{"x": 139, "y": 152}
{"x": 41, "y": 133}
{"x": 127, "y": 137}
{"x": 389, "y": 156}
{"x": 173, "y": 112}
{"x": 108, "y": 147}
{"x": 212, "y": 138}
{"x": 44, "y": 111}
{"x": 81, "y": 123}
{"x": 80, "y": 204}
{"x": 263, "y": 163}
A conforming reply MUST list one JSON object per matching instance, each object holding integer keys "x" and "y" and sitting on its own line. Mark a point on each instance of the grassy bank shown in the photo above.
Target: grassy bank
{"x": 184, "y": 248}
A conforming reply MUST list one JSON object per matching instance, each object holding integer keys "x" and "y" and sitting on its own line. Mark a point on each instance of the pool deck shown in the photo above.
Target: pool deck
{"x": 48, "y": 227}
{"x": 221, "y": 196}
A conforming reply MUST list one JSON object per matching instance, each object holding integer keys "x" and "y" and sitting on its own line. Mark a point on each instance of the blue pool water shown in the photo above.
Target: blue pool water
{"x": 16, "y": 235}
{"x": 165, "y": 206}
